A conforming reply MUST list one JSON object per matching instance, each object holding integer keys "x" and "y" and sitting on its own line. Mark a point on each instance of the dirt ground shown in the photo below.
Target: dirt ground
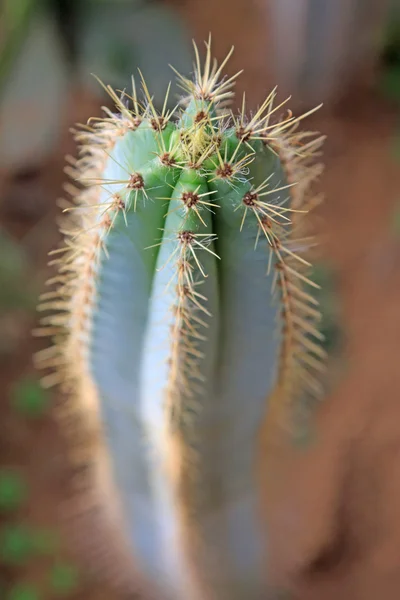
{"x": 334, "y": 513}
{"x": 334, "y": 509}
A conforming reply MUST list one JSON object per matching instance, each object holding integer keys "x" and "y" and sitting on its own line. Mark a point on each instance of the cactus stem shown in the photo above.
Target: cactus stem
{"x": 163, "y": 328}
{"x": 184, "y": 332}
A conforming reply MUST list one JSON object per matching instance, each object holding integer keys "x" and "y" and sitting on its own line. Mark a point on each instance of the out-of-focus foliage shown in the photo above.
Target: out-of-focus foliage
{"x": 14, "y": 270}
{"x": 29, "y": 399}
{"x": 13, "y": 490}
{"x": 390, "y": 78}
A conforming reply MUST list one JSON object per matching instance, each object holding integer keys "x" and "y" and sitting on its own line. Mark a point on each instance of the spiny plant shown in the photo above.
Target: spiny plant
{"x": 169, "y": 348}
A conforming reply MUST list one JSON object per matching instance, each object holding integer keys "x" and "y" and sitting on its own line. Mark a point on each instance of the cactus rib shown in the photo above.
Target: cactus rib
{"x": 165, "y": 341}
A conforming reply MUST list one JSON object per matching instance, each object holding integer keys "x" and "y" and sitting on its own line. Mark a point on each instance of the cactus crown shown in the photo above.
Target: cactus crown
{"x": 161, "y": 309}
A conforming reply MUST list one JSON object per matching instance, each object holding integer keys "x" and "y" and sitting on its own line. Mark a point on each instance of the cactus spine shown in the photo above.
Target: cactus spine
{"x": 166, "y": 340}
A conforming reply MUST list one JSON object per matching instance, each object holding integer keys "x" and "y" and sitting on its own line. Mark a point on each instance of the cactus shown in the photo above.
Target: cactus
{"x": 168, "y": 345}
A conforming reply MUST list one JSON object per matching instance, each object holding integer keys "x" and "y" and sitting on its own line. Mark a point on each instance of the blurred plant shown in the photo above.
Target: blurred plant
{"x": 63, "y": 579}
{"x": 111, "y": 36}
{"x": 18, "y": 293}
{"x": 23, "y": 592}
{"x": 327, "y": 296}
{"x": 29, "y": 399}
{"x": 320, "y": 49}
{"x": 391, "y": 42}
{"x": 12, "y": 490}
{"x": 395, "y": 220}
{"x": 390, "y": 79}
{"x": 15, "y": 293}
{"x": 33, "y": 83}
{"x": 21, "y": 544}
{"x": 16, "y": 17}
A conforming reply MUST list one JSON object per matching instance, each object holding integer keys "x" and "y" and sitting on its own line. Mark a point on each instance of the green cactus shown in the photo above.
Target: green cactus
{"x": 173, "y": 357}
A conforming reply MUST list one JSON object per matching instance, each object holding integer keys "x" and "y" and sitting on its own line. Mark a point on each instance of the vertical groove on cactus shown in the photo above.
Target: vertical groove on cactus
{"x": 168, "y": 347}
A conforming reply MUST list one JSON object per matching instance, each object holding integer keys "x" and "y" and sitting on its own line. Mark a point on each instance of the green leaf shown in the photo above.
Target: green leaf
{"x": 12, "y": 490}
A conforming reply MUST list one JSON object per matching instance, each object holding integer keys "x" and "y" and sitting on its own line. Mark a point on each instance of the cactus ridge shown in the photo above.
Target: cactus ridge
{"x": 167, "y": 186}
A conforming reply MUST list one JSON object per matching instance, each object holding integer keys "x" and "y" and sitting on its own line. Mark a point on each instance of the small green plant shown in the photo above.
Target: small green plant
{"x": 24, "y": 592}
{"x": 173, "y": 355}
{"x": 29, "y": 399}
{"x": 63, "y": 579}
{"x": 15, "y": 289}
{"x": 22, "y": 543}
{"x": 390, "y": 76}
{"x": 12, "y": 490}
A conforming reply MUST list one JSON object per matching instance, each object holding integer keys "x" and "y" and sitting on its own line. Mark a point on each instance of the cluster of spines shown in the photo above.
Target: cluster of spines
{"x": 301, "y": 353}
{"x": 84, "y": 226}
{"x": 197, "y": 143}
{"x": 188, "y": 321}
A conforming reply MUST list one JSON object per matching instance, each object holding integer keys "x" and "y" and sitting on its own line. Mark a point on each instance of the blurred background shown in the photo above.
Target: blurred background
{"x": 335, "y": 508}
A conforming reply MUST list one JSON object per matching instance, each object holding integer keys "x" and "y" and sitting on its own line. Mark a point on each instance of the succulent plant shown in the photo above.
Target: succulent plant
{"x": 172, "y": 353}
